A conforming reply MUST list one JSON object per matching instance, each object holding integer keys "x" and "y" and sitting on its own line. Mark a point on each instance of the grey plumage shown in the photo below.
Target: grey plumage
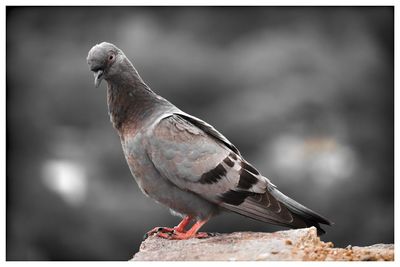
{"x": 181, "y": 161}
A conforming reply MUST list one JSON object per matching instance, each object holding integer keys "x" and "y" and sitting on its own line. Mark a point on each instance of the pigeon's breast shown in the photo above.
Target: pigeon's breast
{"x": 142, "y": 168}
{"x": 135, "y": 155}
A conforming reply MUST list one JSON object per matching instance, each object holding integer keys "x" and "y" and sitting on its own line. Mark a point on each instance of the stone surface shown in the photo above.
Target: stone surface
{"x": 300, "y": 244}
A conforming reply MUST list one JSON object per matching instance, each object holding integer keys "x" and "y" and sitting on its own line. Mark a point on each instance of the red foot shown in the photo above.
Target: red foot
{"x": 183, "y": 236}
{"x": 180, "y": 228}
{"x": 178, "y": 232}
{"x": 157, "y": 230}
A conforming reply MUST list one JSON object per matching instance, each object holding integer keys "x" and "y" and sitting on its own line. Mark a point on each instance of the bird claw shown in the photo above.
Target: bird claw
{"x": 183, "y": 236}
{"x": 158, "y": 230}
{"x": 178, "y": 232}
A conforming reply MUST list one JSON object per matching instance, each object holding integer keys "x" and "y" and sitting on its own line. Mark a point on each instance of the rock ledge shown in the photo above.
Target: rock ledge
{"x": 298, "y": 245}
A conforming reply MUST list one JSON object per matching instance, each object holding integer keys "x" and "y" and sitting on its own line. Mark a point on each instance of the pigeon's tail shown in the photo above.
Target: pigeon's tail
{"x": 276, "y": 208}
{"x": 309, "y": 217}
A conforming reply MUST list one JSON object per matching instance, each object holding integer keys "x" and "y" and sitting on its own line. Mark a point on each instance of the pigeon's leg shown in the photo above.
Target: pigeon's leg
{"x": 191, "y": 233}
{"x": 182, "y": 225}
{"x": 180, "y": 228}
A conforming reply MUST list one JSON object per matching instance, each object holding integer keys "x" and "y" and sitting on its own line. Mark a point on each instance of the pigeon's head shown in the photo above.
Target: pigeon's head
{"x": 101, "y": 59}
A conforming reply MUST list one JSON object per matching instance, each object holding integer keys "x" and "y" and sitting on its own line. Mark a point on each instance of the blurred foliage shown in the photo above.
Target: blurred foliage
{"x": 305, "y": 93}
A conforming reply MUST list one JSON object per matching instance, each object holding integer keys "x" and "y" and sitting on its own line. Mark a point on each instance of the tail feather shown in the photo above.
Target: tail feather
{"x": 299, "y": 209}
{"x": 310, "y": 217}
{"x": 276, "y": 208}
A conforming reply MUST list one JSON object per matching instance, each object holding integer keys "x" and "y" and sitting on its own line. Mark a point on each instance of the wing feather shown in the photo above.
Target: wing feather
{"x": 199, "y": 160}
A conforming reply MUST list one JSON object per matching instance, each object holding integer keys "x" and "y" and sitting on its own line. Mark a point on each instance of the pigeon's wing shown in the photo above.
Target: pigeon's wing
{"x": 196, "y": 160}
{"x": 196, "y": 157}
{"x": 211, "y": 131}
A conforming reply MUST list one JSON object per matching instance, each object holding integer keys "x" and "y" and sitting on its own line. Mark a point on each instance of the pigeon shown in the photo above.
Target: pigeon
{"x": 184, "y": 163}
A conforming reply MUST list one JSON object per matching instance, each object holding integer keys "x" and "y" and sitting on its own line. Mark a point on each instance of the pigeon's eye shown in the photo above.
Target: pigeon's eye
{"x": 111, "y": 57}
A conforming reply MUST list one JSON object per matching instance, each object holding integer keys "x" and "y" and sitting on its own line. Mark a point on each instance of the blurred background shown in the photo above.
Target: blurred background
{"x": 305, "y": 93}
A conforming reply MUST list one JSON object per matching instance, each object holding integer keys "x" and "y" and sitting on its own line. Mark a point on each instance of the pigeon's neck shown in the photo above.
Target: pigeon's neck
{"x": 125, "y": 75}
{"x": 131, "y": 102}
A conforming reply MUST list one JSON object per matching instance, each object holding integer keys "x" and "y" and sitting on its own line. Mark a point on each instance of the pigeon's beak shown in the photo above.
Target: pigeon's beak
{"x": 98, "y": 77}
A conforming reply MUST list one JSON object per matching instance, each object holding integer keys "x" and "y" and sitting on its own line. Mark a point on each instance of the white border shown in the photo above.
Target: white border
{"x": 150, "y": 3}
{"x": 205, "y": 2}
